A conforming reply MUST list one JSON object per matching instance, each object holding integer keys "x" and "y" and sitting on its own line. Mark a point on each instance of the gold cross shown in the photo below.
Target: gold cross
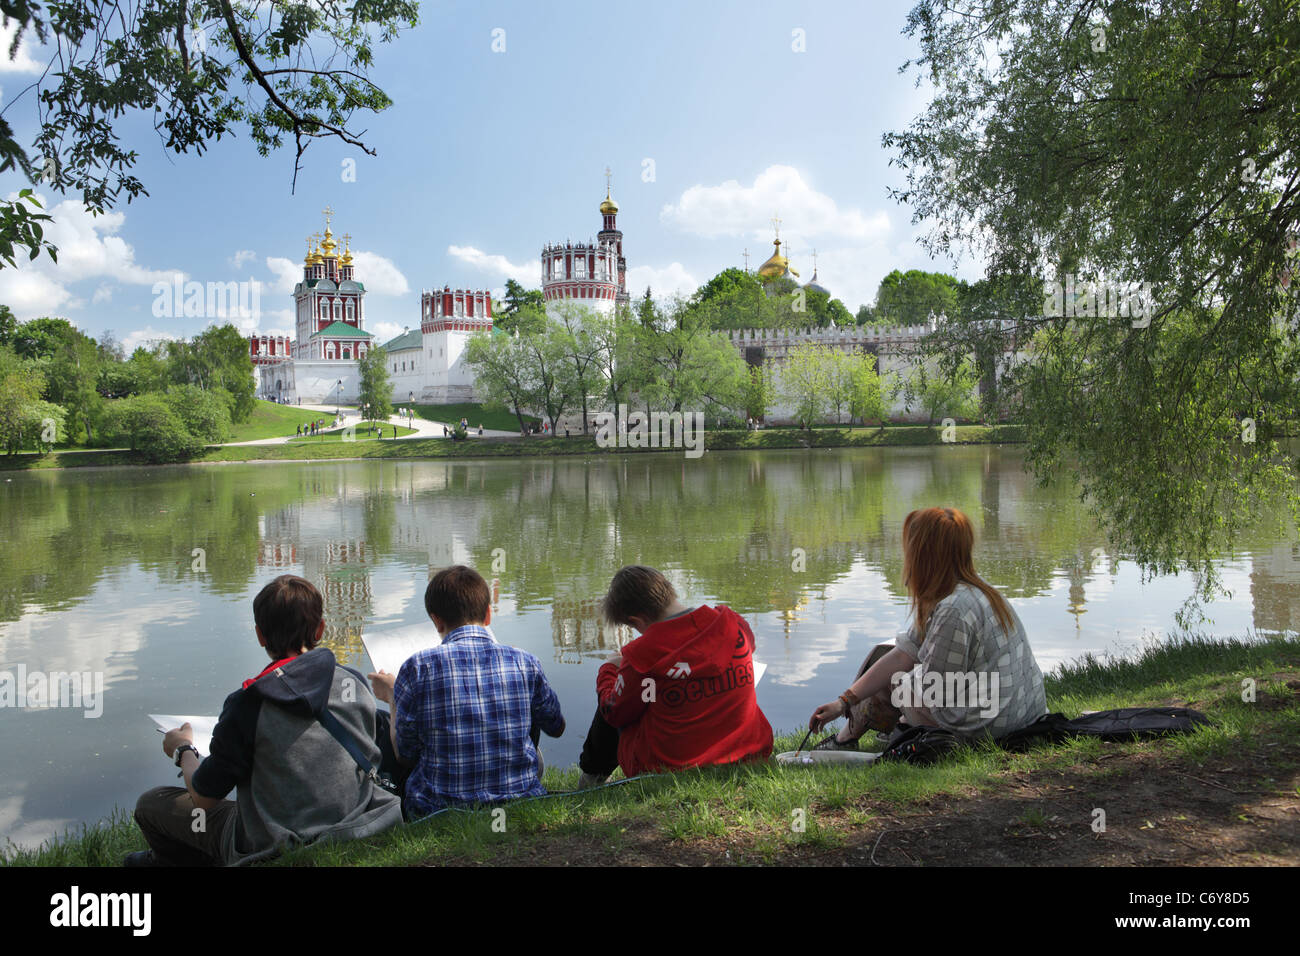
{"x": 347, "y": 240}
{"x": 328, "y": 211}
{"x": 607, "y": 175}
{"x": 776, "y": 224}
{"x": 746, "y": 254}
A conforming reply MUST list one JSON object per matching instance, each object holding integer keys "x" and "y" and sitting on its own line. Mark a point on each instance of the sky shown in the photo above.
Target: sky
{"x": 713, "y": 117}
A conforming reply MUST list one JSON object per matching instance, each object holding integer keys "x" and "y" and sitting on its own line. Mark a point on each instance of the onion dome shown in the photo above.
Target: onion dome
{"x": 776, "y": 265}
{"x": 814, "y": 286}
{"x": 608, "y": 207}
{"x": 328, "y": 245}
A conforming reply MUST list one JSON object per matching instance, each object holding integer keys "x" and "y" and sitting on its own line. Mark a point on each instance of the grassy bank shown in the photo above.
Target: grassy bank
{"x": 538, "y": 447}
{"x": 270, "y": 420}
{"x": 1229, "y": 793}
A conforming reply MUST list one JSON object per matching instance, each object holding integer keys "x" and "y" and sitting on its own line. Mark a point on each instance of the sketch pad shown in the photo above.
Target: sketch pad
{"x": 389, "y": 649}
{"x": 202, "y": 727}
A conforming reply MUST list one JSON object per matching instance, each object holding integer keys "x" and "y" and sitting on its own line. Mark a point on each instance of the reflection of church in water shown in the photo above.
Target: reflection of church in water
{"x": 339, "y": 569}
{"x": 578, "y": 630}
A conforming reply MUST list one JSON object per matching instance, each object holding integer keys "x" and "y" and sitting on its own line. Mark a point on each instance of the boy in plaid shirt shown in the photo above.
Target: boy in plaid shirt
{"x": 468, "y": 713}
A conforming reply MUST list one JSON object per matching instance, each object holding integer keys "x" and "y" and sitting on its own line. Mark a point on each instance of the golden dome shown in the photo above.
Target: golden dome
{"x": 775, "y": 266}
{"x": 328, "y": 245}
{"x": 608, "y": 207}
{"x": 313, "y": 254}
{"x": 347, "y": 256}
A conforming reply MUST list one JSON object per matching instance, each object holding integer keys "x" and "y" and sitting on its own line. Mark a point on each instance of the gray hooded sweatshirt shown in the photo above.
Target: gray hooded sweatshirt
{"x": 295, "y": 782}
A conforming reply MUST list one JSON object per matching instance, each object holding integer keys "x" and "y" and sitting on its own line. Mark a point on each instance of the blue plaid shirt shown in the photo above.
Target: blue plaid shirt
{"x": 463, "y": 712}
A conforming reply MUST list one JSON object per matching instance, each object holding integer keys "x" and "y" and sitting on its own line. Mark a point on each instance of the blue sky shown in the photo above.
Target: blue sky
{"x": 485, "y": 156}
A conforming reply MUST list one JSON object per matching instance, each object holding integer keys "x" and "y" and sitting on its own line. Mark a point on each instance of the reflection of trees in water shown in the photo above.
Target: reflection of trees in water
{"x": 63, "y": 530}
{"x": 726, "y": 525}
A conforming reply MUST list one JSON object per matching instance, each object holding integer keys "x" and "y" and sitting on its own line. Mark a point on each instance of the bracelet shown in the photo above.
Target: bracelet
{"x": 181, "y": 750}
{"x": 848, "y": 707}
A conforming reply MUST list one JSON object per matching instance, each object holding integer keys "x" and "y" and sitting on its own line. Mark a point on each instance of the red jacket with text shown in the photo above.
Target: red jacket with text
{"x": 685, "y": 695}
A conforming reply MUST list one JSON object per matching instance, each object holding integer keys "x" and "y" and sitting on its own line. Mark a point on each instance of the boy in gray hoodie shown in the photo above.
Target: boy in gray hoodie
{"x": 295, "y": 780}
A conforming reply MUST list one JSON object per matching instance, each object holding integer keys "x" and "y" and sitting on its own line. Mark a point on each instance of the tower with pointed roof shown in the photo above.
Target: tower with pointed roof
{"x": 593, "y": 274}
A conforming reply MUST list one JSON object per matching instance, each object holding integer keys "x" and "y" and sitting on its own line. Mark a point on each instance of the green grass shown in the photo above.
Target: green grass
{"x": 363, "y": 432}
{"x": 477, "y": 414}
{"x": 757, "y": 809}
{"x": 543, "y": 447}
{"x": 270, "y": 420}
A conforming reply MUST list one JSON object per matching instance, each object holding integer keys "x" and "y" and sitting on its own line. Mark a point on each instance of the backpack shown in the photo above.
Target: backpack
{"x": 1119, "y": 725}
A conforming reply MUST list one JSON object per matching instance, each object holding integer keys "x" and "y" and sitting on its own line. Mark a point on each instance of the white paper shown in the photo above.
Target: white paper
{"x": 389, "y": 649}
{"x": 759, "y": 670}
{"x": 202, "y": 727}
{"x": 809, "y": 757}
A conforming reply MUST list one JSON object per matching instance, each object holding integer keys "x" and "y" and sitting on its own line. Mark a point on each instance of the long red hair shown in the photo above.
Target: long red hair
{"x": 937, "y": 546}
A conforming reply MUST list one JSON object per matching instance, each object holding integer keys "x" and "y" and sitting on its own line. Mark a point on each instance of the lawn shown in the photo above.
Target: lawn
{"x": 477, "y": 414}
{"x": 1226, "y": 793}
{"x": 270, "y": 420}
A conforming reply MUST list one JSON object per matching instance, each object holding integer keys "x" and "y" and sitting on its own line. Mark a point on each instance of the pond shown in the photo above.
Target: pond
{"x": 146, "y": 577}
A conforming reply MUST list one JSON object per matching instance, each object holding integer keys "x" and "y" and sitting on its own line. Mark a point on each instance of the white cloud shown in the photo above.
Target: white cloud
{"x": 243, "y": 255}
{"x": 384, "y": 332}
{"x": 30, "y": 293}
{"x": 379, "y": 275}
{"x": 528, "y": 273}
{"x": 668, "y": 281}
{"x": 287, "y": 274}
{"x": 22, "y": 62}
{"x": 731, "y": 209}
{"x": 103, "y": 293}
{"x": 88, "y": 249}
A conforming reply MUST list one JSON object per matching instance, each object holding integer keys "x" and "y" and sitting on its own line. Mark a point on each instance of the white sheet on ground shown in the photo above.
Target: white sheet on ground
{"x": 809, "y": 757}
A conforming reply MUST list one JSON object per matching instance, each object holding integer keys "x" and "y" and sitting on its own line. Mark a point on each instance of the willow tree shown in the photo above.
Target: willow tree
{"x": 1148, "y": 148}
{"x": 279, "y": 70}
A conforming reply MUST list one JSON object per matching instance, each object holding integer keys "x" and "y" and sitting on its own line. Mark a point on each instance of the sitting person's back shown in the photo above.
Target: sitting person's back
{"x": 296, "y": 781}
{"x": 468, "y": 712}
{"x": 682, "y": 694}
{"x": 963, "y": 635}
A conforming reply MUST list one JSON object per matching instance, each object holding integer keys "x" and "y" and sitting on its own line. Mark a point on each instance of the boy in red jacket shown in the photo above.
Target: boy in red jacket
{"x": 680, "y": 695}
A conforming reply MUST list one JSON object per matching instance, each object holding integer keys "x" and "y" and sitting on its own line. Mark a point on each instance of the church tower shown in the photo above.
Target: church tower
{"x": 594, "y": 274}
{"x": 329, "y": 303}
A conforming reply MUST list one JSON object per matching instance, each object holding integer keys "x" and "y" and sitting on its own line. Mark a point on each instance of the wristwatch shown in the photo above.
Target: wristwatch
{"x": 184, "y": 747}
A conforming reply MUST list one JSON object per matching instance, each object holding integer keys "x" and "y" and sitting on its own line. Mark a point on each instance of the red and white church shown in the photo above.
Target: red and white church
{"x": 425, "y": 364}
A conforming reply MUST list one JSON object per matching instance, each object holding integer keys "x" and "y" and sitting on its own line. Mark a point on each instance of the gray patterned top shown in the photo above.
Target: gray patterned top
{"x": 973, "y": 676}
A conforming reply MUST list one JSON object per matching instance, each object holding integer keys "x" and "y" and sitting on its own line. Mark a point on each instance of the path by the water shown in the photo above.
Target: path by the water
{"x": 424, "y": 428}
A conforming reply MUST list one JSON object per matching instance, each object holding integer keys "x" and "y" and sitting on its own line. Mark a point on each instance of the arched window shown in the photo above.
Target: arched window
{"x": 347, "y": 354}
{"x": 338, "y": 310}
{"x": 350, "y": 310}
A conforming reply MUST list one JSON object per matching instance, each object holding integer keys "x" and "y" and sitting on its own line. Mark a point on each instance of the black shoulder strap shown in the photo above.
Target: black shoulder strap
{"x": 339, "y": 733}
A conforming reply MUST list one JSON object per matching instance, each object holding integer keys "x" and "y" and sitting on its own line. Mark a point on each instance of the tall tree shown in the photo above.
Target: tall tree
{"x": 579, "y": 338}
{"x": 1149, "y": 147}
{"x": 503, "y": 369}
{"x": 376, "y": 392}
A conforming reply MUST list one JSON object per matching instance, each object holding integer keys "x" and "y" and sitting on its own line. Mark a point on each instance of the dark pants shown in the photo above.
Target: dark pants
{"x": 177, "y": 832}
{"x": 600, "y": 750}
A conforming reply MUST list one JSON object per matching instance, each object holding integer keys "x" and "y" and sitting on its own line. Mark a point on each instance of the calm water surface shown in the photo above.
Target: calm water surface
{"x": 96, "y": 575}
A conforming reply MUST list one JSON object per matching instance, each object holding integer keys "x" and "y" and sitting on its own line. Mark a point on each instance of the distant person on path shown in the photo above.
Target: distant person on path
{"x": 300, "y": 430}
{"x": 468, "y": 713}
{"x": 294, "y": 781}
{"x": 960, "y": 624}
{"x": 680, "y": 695}
{"x": 480, "y": 430}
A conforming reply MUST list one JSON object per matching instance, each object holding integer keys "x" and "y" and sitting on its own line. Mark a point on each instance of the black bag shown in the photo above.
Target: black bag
{"x": 1121, "y": 724}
